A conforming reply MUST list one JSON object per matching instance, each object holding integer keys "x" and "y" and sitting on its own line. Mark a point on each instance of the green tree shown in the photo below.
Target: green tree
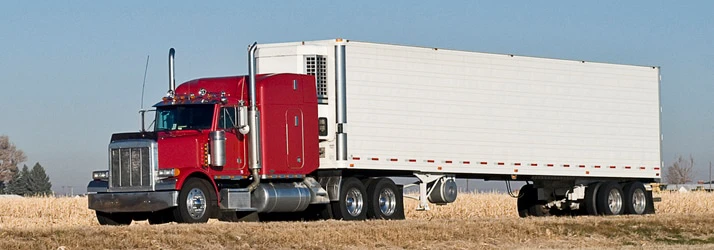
{"x": 38, "y": 181}
{"x": 19, "y": 185}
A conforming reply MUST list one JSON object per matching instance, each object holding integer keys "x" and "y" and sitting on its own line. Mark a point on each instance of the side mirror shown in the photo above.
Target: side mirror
{"x": 242, "y": 124}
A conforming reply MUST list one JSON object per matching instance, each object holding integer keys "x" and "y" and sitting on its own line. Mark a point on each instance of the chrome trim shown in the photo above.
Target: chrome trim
{"x": 282, "y": 176}
{"x": 228, "y": 177}
{"x": 133, "y": 201}
{"x": 166, "y": 184}
{"x": 97, "y": 187}
{"x": 332, "y": 186}
{"x": 172, "y": 78}
{"x": 152, "y": 168}
{"x": 254, "y": 155}
{"x": 341, "y": 92}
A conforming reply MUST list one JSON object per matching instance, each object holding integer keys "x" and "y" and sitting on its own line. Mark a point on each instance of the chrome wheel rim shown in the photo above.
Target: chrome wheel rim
{"x": 614, "y": 201}
{"x": 639, "y": 201}
{"x": 196, "y": 203}
{"x": 354, "y": 202}
{"x": 387, "y": 201}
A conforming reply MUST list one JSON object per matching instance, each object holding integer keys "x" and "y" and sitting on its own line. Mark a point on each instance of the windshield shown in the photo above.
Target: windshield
{"x": 181, "y": 117}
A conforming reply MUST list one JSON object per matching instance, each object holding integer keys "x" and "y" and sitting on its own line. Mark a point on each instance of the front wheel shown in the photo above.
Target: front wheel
{"x": 114, "y": 219}
{"x": 352, "y": 201}
{"x": 194, "y": 202}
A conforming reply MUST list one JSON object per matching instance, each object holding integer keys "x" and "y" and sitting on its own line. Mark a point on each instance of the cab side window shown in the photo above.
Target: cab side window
{"x": 228, "y": 118}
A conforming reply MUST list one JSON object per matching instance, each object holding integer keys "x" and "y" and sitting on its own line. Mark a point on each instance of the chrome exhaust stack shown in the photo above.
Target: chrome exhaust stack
{"x": 172, "y": 79}
{"x": 255, "y": 163}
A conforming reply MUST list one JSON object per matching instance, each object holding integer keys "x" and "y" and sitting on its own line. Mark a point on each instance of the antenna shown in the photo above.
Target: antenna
{"x": 143, "y": 84}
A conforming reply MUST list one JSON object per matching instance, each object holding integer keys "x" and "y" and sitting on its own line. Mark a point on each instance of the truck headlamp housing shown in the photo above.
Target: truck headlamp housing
{"x": 168, "y": 172}
{"x": 102, "y": 175}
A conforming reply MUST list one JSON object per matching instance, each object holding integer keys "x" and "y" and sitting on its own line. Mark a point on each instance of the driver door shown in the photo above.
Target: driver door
{"x": 235, "y": 144}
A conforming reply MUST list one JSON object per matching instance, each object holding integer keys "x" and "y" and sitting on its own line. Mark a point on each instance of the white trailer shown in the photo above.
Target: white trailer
{"x": 584, "y": 135}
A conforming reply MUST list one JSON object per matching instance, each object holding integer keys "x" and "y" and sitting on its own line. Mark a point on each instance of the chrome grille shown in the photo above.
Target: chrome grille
{"x": 130, "y": 165}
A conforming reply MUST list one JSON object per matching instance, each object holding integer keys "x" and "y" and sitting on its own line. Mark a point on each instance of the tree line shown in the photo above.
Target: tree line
{"x": 25, "y": 182}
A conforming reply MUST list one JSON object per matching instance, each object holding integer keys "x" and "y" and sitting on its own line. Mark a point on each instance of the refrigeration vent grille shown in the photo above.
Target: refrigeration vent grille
{"x": 316, "y": 65}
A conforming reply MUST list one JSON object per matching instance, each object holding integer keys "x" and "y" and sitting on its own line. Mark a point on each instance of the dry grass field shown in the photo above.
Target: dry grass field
{"x": 483, "y": 220}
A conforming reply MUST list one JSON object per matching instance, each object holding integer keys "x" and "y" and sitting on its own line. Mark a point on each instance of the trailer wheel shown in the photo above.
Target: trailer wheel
{"x": 528, "y": 203}
{"x": 385, "y": 200}
{"x": 635, "y": 199}
{"x": 194, "y": 202}
{"x": 114, "y": 219}
{"x": 352, "y": 204}
{"x": 591, "y": 199}
{"x": 610, "y": 199}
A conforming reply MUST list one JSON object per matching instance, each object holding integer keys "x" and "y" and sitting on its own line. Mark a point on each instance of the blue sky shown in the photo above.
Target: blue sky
{"x": 71, "y": 72}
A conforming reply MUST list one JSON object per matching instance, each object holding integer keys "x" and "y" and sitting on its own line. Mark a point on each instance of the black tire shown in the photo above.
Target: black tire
{"x": 610, "y": 199}
{"x": 352, "y": 204}
{"x": 636, "y": 201}
{"x": 161, "y": 217}
{"x": 385, "y": 200}
{"x": 240, "y": 216}
{"x": 528, "y": 203}
{"x": 201, "y": 203}
{"x": 591, "y": 199}
{"x": 114, "y": 219}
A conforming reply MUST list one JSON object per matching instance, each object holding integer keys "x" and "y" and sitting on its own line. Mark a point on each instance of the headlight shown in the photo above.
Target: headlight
{"x": 100, "y": 175}
{"x": 169, "y": 172}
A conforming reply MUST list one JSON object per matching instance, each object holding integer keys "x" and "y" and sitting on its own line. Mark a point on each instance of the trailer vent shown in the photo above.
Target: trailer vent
{"x": 316, "y": 65}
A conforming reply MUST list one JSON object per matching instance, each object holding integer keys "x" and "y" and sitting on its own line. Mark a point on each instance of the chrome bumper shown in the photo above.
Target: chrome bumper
{"x": 133, "y": 201}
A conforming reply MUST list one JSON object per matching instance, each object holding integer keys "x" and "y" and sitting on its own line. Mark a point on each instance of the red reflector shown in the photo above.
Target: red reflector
{"x": 517, "y": 163}
{"x": 448, "y": 162}
{"x": 597, "y": 166}
{"x": 534, "y": 164}
{"x": 656, "y": 168}
{"x": 375, "y": 159}
{"x": 412, "y": 160}
{"x": 484, "y": 163}
{"x": 500, "y": 163}
{"x": 393, "y": 160}
{"x": 566, "y": 166}
{"x": 467, "y": 162}
{"x": 550, "y": 165}
{"x": 657, "y": 174}
{"x": 355, "y": 158}
{"x": 642, "y": 168}
{"x": 581, "y": 166}
{"x": 628, "y": 167}
{"x": 613, "y": 167}
{"x": 430, "y": 161}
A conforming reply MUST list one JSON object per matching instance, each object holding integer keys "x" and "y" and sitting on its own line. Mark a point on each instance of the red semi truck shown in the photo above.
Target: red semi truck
{"x": 584, "y": 136}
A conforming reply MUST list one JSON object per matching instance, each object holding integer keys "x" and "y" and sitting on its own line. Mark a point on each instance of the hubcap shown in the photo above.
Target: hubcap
{"x": 639, "y": 202}
{"x": 196, "y": 203}
{"x": 387, "y": 201}
{"x": 354, "y": 202}
{"x": 614, "y": 201}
